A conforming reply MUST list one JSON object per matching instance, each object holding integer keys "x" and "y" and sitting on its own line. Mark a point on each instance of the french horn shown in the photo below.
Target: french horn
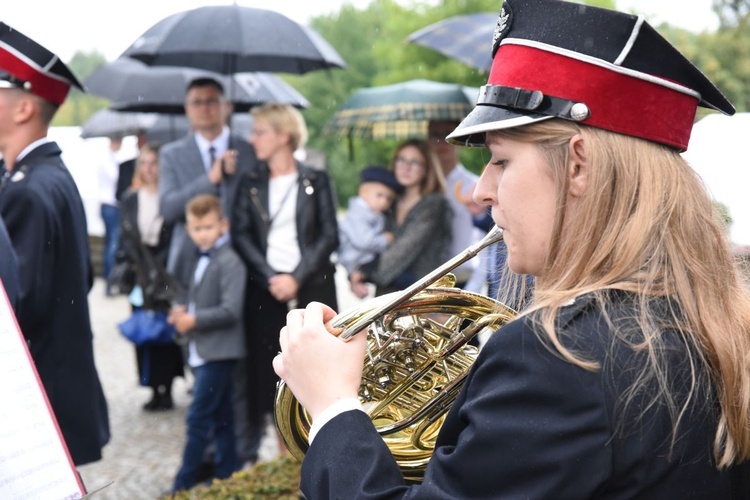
{"x": 416, "y": 361}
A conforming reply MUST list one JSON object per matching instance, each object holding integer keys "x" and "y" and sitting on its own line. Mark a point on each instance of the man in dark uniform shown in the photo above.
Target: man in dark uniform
{"x": 44, "y": 215}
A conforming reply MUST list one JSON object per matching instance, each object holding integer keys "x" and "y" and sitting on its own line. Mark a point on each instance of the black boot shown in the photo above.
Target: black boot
{"x": 164, "y": 398}
{"x": 153, "y": 402}
{"x": 165, "y": 402}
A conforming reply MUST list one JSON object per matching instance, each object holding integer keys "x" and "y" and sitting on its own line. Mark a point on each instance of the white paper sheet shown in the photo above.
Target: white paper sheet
{"x": 34, "y": 463}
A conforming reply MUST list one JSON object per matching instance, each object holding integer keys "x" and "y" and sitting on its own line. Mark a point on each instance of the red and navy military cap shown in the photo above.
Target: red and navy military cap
{"x": 595, "y": 66}
{"x": 27, "y": 65}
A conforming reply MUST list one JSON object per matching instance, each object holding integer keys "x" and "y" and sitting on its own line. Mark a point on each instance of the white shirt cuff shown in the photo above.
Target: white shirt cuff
{"x": 337, "y": 408}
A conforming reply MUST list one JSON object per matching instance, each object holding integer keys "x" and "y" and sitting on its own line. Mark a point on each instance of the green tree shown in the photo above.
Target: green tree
{"x": 732, "y": 13}
{"x": 79, "y": 106}
{"x": 373, "y": 43}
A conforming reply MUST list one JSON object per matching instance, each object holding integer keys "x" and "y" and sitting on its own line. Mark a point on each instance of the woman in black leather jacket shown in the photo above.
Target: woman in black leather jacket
{"x": 285, "y": 229}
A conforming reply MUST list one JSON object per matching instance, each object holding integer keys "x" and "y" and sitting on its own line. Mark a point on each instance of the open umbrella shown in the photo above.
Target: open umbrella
{"x": 109, "y": 123}
{"x": 232, "y": 39}
{"x": 466, "y": 38}
{"x": 401, "y": 110}
{"x": 131, "y": 85}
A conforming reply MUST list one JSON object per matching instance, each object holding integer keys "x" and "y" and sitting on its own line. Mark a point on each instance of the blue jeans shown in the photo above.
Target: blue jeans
{"x": 211, "y": 410}
{"x": 111, "y": 217}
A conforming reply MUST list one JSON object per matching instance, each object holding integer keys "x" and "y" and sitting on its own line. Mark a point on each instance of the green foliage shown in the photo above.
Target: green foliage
{"x": 732, "y": 13}
{"x": 373, "y": 43}
{"x": 278, "y": 479}
{"x": 79, "y": 106}
{"x": 724, "y": 57}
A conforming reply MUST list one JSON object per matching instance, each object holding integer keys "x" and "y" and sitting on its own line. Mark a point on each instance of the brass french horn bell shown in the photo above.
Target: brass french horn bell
{"x": 416, "y": 361}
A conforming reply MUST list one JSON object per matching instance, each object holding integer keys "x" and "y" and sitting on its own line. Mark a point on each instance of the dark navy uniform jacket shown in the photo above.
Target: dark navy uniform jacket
{"x": 529, "y": 425}
{"x": 8, "y": 266}
{"x": 43, "y": 212}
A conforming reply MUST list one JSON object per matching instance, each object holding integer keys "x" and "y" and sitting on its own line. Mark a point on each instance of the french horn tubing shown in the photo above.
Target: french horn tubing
{"x": 416, "y": 361}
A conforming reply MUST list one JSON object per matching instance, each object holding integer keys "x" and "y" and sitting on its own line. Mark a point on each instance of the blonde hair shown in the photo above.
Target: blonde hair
{"x": 151, "y": 147}
{"x": 651, "y": 230}
{"x": 283, "y": 118}
{"x": 434, "y": 180}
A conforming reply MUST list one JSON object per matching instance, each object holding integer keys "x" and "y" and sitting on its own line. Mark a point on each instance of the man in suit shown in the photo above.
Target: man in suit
{"x": 46, "y": 222}
{"x": 213, "y": 321}
{"x": 210, "y": 160}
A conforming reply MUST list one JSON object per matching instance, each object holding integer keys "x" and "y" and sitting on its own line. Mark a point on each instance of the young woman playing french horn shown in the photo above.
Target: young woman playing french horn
{"x": 629, "y": 374}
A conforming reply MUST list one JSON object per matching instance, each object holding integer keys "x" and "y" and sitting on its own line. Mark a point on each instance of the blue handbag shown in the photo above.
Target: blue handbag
{"x": 146, "y": 327}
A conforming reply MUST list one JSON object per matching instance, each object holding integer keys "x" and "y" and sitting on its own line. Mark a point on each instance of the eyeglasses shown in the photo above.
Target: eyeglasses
{"x": 213, "y": 101}
{"x": 414, "y": 163}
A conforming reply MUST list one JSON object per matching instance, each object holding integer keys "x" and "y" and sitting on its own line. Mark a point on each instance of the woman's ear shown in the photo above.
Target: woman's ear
{"x": 578, "y": 168}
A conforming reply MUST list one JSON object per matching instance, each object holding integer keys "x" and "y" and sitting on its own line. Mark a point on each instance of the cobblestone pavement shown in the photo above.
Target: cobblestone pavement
{"x": 144, "y": 452}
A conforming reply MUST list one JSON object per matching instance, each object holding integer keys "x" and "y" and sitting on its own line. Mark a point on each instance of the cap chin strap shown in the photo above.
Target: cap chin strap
{"x": 532, "y": 101}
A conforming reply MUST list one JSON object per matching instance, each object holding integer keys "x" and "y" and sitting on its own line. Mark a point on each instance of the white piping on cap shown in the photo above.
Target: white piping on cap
{"x": 631, "y": 41}
{"x": 603, "y": 64}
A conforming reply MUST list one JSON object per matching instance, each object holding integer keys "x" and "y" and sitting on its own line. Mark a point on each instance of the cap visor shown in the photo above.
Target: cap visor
{"x": 483, "y": 118}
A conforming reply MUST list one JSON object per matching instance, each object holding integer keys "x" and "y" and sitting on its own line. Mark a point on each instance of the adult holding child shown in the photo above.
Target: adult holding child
{"x": 420, "y": 222}
{"x": 362, "y": 230}
{"x": 285, "y": 229}
{"x": 143, "y": 247}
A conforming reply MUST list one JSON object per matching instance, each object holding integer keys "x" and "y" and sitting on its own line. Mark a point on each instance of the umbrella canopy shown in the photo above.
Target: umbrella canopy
{"x": 466, "y": 38}
{"x": 133, "y": 86}
{"x": 109, "y": 123}
{"x": 232, "y": 39}
{"x": 402, "y": 109}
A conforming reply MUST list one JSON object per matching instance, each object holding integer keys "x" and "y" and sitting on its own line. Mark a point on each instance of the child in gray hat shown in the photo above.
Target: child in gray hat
{"x": 362, "y": 234}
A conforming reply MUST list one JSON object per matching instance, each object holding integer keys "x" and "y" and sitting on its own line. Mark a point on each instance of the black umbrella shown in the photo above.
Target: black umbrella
{"x": 467, "y": 38}
{"x": 133, "y": 86}
{"x": 109, "y": 123}
{"x": 232, "y": 39}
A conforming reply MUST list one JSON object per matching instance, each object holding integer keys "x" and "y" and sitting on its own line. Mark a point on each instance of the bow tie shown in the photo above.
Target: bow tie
{"x": 203, "y": 253}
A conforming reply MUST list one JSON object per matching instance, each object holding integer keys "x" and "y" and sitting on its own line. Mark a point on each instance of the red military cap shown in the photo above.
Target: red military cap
{"x": 596, "y": 66}
{"x": 26, "y": 64}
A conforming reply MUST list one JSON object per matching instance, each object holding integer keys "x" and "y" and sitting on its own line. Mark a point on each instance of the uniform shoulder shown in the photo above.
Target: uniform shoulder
{"x": 572, "y": 318}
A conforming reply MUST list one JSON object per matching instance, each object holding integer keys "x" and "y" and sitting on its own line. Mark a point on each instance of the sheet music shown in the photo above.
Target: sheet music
{"x": 34, "y": 463}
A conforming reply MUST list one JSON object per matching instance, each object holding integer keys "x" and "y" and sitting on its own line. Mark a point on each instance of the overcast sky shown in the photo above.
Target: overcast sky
{"x": 67, "y": 26}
